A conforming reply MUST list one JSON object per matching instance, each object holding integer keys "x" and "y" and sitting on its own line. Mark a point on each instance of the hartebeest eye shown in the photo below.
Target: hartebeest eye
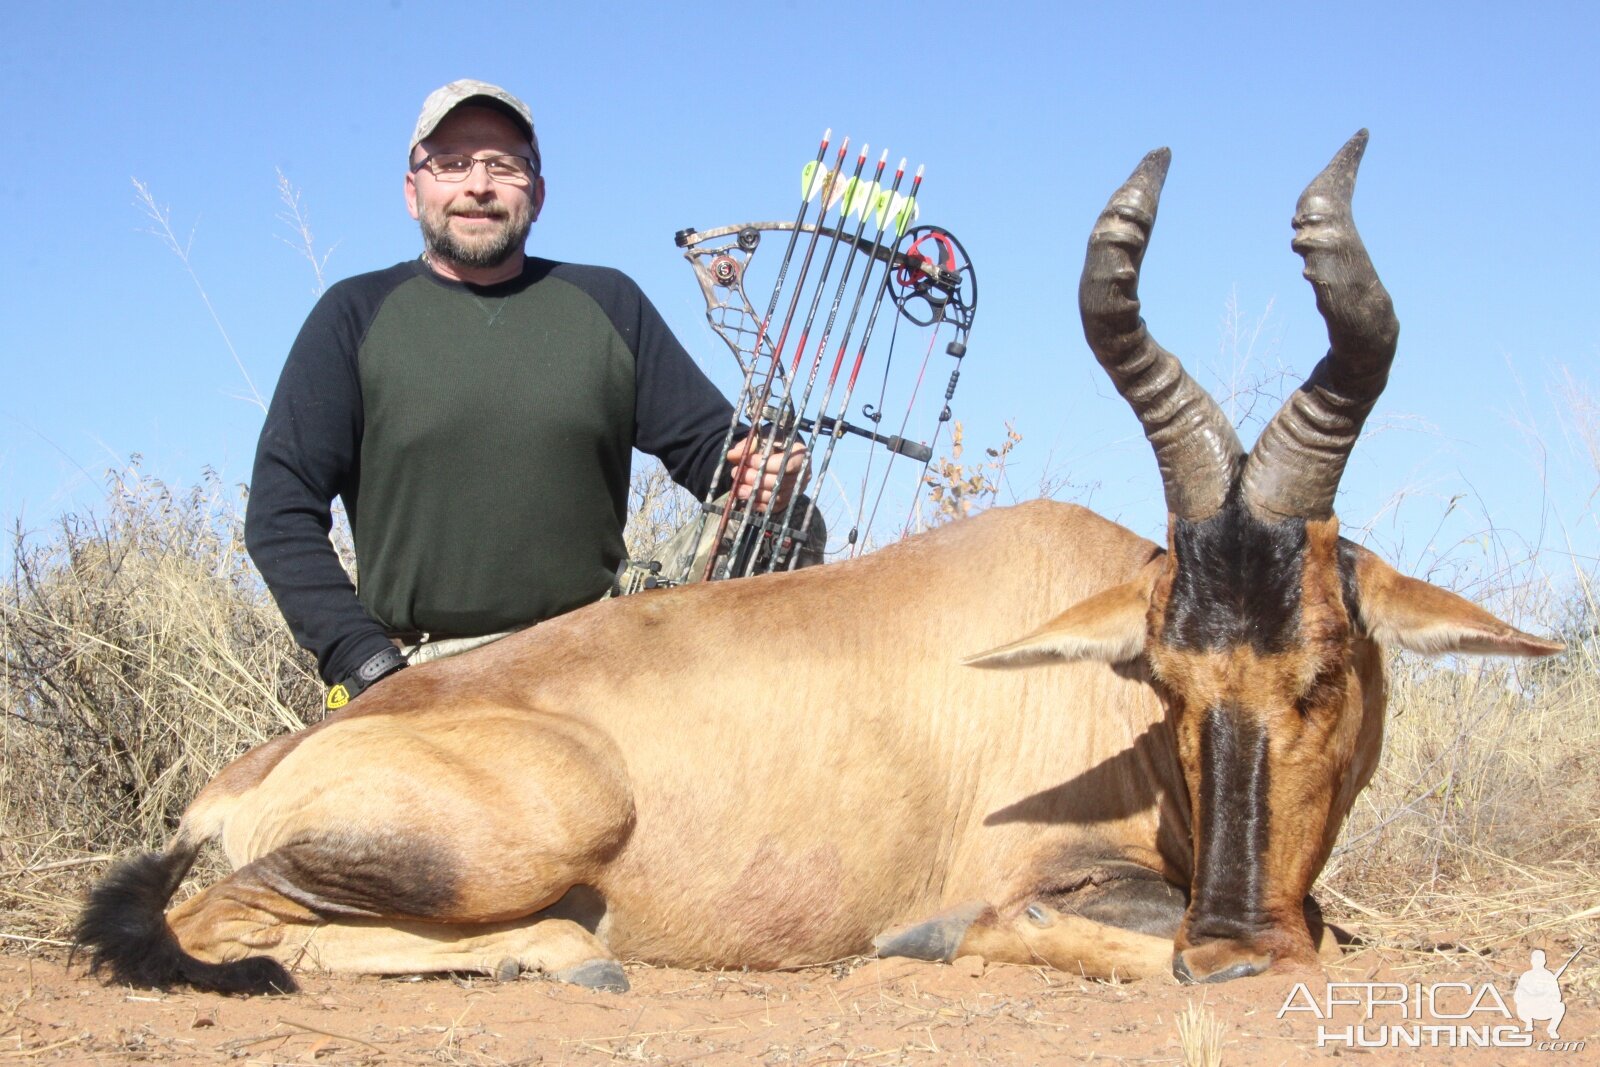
{"x": 1326, "y": 691}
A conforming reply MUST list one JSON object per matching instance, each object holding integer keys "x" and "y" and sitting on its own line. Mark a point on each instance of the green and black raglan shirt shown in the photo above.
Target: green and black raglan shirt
{"x": 480, "y": 437}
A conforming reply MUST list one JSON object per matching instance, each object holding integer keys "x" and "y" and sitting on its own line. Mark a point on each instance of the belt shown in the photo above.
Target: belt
{"x": 426, "y": 637}
{"x": 422, "y": 637}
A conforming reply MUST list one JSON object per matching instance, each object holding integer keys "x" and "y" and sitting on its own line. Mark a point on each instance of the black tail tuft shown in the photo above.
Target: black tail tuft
{"x": 124, "y": 930}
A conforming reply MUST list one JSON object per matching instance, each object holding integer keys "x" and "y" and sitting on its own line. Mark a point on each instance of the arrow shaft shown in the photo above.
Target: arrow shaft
{"x": 759, "y": 403}
{"x": 878, "y": 251}
{"x": 791, "y": 438}
{"x": 855, "y": 371}
{"x": 772, "y": 304}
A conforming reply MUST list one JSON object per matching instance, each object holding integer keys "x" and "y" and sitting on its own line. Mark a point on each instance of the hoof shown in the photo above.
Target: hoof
{"x": 938, "y": 940}
{"x": 507, "y": 970}
{"x": 604, "y": 975}
{"x": 1218, "y": 961}
{"x": 1180, "y": 971}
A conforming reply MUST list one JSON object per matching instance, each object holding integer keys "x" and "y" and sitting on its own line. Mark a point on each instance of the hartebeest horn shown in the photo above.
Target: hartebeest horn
{"x": 1194, "y": 443}
{"x": 1294, "y": 469}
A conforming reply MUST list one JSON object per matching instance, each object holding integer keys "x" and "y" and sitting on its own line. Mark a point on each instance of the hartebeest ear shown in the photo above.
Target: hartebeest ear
{"x": 1396, "y": 610}
{"x": 1108, "y": 626}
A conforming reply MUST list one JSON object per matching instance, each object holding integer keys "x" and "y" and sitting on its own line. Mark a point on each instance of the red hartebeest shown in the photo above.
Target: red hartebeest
{"x": 1152, "y": 785}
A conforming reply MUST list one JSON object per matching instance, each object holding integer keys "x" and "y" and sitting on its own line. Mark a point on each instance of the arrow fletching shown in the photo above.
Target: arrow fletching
{"x": 836, "y": 193}
{"x": 905, "y": 213}
{"x": 859, "y": 197}
{"x": 897, "y": 206}
{"x": 813, "y": 178}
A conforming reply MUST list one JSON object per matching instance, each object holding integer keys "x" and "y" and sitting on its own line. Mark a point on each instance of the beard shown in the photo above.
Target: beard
{"x": 490, "y": 247}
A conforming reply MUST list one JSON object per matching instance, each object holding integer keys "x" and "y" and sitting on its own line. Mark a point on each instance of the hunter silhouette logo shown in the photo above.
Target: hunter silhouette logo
{"x": 1439, "y": 1014}
{"x": 1538, "y": 993}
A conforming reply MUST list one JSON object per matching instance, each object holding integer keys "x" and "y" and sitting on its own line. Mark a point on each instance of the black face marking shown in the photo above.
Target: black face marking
{"x": 371, "y": 875}
{"x": 1234, "y": 784}
{"x": 1236, "y": 582}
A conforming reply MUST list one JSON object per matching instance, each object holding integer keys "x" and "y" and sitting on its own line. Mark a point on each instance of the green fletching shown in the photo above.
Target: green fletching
{"x": 859, "y": 197}
{"x": 905, "y": 214}
{"x": 880, "y": 208}
{"x": 902, "y": 208}
{"x": 812, "y": 177}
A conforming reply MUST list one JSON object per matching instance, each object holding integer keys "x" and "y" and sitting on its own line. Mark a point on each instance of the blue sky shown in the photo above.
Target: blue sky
{"x": 1476, "y": 201}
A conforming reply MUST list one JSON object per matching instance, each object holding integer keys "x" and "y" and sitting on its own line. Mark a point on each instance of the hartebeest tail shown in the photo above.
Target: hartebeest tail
{"x": 124, "y": 930}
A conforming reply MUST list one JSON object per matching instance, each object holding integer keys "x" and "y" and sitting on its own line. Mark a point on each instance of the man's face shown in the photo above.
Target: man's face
{"x": 477, "y": 223}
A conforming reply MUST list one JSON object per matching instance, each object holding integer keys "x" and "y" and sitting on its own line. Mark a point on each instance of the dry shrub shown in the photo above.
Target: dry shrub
{"x": 956, "y": 489}
{"x": 141, "y": 653}
{"x": 657, "y": 508}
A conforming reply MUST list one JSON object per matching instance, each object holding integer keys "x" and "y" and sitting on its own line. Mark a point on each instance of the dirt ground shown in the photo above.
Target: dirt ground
{"x": 858, "y": 1012}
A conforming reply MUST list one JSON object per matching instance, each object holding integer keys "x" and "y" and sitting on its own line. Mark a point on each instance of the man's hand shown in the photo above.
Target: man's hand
{"x": 777, "y": 480}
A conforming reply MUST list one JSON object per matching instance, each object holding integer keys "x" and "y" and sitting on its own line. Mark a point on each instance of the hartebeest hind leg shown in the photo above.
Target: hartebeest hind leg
{"x": 445, "y": 867}
{"x": 241, "y": 917}
{"x": 504, "y": 821}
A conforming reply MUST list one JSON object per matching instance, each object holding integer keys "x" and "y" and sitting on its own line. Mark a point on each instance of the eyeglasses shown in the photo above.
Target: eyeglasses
{"x": 507, "y": 170}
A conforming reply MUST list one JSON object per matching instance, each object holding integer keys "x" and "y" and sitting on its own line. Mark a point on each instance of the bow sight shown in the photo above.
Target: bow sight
{"x": 922, "y": 270}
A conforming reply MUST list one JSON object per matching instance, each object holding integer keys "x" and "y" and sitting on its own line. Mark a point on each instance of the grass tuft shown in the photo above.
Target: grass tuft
{"x": 1200, "y": 1036}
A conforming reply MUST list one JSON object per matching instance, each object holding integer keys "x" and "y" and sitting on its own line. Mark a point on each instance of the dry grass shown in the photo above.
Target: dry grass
{"x": 140, "y": 654}
{"x": 1199, "y": 1036}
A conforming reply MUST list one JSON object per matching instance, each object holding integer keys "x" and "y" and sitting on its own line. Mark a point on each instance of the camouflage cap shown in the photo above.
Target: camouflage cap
{"x": 447, "y": 98}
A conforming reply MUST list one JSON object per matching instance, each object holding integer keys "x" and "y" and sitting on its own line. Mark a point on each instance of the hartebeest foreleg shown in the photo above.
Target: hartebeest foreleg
{"x": 1039, "y": 934}
{"x": 1117, "y": 920}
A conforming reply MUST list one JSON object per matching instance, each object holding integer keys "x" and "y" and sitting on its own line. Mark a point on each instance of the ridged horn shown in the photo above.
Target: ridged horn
{"x": 1294, "y": 469}
{"x": 1195, "y": 445}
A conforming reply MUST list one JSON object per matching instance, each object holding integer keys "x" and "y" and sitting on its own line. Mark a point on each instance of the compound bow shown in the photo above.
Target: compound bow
{"x": 922, "y": 270}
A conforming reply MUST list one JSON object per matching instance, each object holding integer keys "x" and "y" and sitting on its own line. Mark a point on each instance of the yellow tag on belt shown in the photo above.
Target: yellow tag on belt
{"x": 338, "y": 697}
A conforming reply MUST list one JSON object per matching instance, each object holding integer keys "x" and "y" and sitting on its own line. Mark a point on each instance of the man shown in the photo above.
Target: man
{"x": 475, "y": 409}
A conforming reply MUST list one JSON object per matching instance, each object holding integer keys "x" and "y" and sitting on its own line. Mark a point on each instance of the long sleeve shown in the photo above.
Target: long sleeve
{"x": 309, "y": 452}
